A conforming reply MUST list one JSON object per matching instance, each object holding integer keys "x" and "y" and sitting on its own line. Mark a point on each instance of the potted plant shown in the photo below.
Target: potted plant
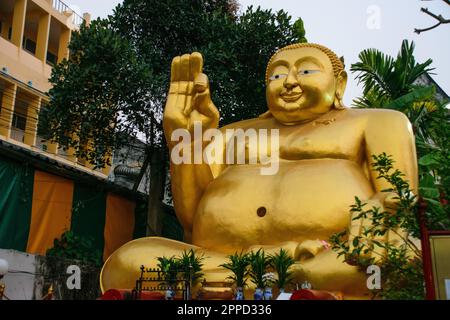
{"x": 191, "y": 265}
{"x": 281, "y": 262}
{"x": 259, "y": 263}
{"x": 170, "y": 268}
{"x": 238, "y": 265}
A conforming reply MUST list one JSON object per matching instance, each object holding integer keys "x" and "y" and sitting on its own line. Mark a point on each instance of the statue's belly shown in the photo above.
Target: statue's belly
{"x": 307, "y": 199}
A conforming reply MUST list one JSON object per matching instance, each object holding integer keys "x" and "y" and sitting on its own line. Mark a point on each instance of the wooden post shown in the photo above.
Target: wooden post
{"x": 157, "y": 180}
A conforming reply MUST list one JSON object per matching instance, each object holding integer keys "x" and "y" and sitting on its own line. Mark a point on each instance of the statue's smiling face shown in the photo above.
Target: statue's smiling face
{"x": 301, "y": 85}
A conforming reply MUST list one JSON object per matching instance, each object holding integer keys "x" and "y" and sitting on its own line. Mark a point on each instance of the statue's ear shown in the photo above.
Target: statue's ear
{"x": 341, "y": 84}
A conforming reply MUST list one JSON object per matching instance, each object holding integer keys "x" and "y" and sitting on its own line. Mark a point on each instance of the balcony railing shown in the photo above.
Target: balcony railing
{"x": 61, "y": 7}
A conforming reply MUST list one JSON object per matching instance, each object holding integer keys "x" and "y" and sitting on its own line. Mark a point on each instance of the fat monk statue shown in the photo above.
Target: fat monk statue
{"x": 324, "y": 159}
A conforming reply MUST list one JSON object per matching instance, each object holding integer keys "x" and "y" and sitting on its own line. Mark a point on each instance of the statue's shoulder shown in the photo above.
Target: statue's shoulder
{"x": 377, "y": 115}
{"x": 252, "y": 123}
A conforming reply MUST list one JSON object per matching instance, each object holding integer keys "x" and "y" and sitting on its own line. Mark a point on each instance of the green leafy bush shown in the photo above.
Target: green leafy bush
{"x": 72, "y": 246}
{"x": 400, "y": 263}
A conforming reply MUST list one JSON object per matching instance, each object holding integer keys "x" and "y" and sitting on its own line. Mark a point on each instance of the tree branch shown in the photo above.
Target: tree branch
{"x": 418, "y": 31}
{"x": 439, "y": 18}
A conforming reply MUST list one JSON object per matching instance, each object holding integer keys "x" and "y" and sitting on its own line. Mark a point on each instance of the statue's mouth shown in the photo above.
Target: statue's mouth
{"x": 291, "y": 97}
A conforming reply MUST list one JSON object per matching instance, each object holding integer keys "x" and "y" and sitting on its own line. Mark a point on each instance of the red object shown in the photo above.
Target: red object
{"x": 305, "y": 294}
{"x": 426, "y": 252}
{"x": 114, "y": 294}
{"x": 125, "y": 294}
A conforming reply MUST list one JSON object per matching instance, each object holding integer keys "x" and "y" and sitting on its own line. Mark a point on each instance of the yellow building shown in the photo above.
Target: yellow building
{"x": 45, "y": 190}
{"x": 34, "y": 35}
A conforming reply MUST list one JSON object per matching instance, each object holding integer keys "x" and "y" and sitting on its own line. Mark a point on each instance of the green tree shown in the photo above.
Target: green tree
{"x": 114, "y": 85}
{"x": 97, "y": 101}
{"x": 389, "y": 83}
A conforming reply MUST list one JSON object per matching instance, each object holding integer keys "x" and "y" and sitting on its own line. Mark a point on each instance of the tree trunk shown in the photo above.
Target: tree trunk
{"x": 156, "y": 194}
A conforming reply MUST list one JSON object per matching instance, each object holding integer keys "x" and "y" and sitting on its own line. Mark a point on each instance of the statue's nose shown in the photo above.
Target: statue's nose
{"x": 291, "y": 80}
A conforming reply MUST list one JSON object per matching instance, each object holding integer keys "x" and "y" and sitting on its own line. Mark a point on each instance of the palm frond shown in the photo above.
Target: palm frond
{"x": 375, "y": 72}
{"x": 370, "y": 100}
{"x": 281, "y": 262}
{"x": 238, "y": 265}
{"x": 406, "y": 67}
{"x": 385, "y": 78}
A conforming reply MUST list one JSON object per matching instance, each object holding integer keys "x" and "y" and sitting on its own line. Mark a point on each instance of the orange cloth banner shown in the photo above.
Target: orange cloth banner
{"x": 119, "y": 224}
{"x": 51, "y": 211}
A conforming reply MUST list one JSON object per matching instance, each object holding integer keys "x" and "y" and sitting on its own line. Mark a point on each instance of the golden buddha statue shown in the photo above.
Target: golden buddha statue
{"x": 323, "y": 161}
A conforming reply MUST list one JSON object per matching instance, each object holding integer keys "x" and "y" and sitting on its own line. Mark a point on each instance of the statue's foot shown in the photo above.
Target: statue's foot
{"x": 122, "y": 268}
{"x": 325, "y": 271}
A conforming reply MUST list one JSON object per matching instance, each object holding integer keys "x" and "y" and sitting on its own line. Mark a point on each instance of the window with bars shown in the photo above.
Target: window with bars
{"x": 19, "y": 122}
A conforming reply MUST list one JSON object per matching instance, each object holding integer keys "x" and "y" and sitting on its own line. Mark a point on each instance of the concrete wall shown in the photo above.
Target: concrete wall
{"x": 22, "y": 281}
{"x": 30, "y": 276}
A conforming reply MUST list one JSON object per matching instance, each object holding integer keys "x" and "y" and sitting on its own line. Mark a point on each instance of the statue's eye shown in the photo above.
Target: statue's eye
{"x": 307, "y": 72}
{"x": 278, "y": 76}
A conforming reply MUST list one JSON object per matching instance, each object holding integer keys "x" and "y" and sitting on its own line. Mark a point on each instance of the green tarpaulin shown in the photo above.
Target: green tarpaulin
{"x": 88, "y": 213}
{"x": 16, "y": 194}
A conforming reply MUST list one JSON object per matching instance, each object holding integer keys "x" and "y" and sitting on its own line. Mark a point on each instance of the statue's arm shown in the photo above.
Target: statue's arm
{"x": 391, "y": 132}
{"x": 189, "y": 181}
{"x": 188, "y": 105}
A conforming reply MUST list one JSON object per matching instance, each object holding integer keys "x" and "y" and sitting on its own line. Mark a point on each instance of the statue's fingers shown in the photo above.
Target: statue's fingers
{"x": 180, "y": 103}
{"x": 201, "y": 83}
{"x": 203, "y": 104}
{"x": 196, "y": 64}
{"x": 175, "y": 69}
{"x": 185, "y": 67}
{"x": 391, "y": 202}
{"x": 188, "y": 104}
{"x": 395, "y": 237}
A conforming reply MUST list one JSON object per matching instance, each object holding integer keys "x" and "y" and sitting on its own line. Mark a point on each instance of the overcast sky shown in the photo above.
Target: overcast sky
{"x": 350, "y": 26}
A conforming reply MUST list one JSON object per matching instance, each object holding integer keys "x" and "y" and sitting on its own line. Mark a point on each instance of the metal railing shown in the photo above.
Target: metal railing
{"x": 162, "y": 283}
{"x": 61, "y": 7}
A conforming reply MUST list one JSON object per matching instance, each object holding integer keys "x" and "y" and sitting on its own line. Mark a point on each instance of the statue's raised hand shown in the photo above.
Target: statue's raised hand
{"x": 189, "y": 98}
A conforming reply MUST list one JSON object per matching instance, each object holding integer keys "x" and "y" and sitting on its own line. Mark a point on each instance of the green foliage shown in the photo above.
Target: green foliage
{"x": 191, "y": 265}
{"x": 97, "y": 94}
{"x": 187, "y": 266}
{"x": 238, "y": 265}
{"x": 387, "y": 78}
{"x": 389, "y": 83}
{"x": 170, "y": 268}
{"x": 117, "y": 77}
{"x": 259, "y": 265}
{"x": 300, "y": 31}
{"x": 401, "y": 264}
{"x": 71, "y": 246}
{"x": 281, "y": 262}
